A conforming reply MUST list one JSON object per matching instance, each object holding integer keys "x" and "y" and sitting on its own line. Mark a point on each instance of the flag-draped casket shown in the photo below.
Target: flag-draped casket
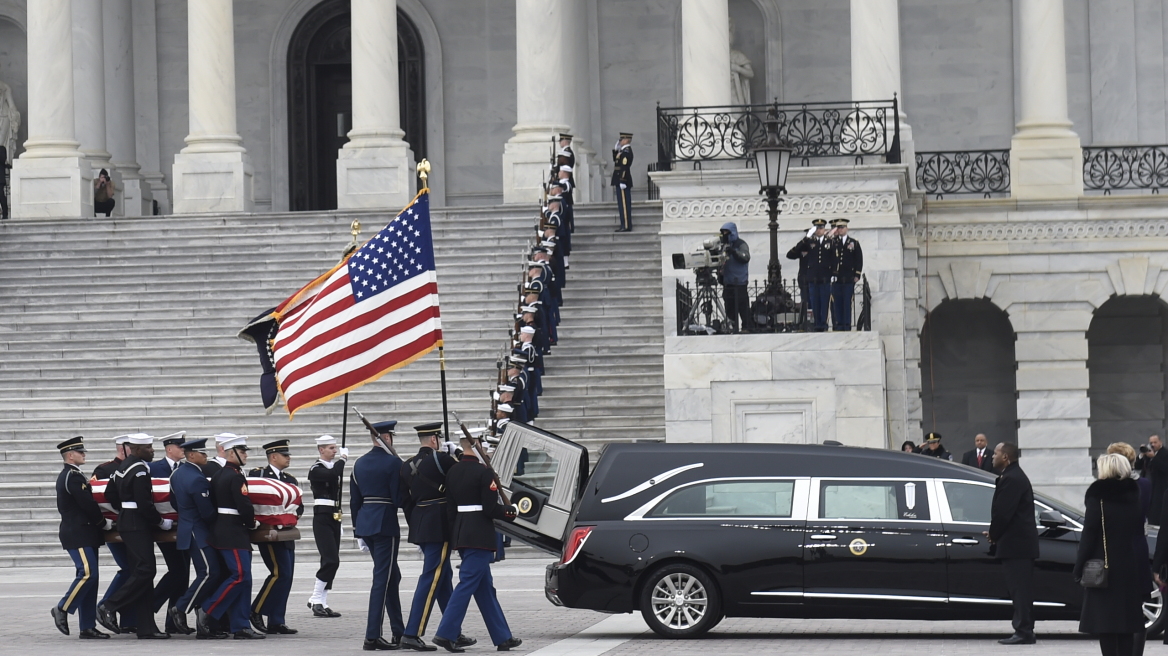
{"x": 275, "y": 502}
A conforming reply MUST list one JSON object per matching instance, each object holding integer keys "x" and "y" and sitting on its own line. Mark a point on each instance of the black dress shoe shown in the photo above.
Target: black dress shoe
{"x": 105, "y": 617}
{"x": 1019, "y": 639}
{"x": 281, "y": 629}
{"x": 203, "y": 622}
{"x": 257, "y": 621}
{"x": 415, "y": 643}
{"x": 320, "y": 610}
{"x": 93, "y": 634}
{"x": 248, "y": 634}
{"x": 157, "y": 635}
{"x": 61, "y": 619}
{"x": 620, "y": 230}
{"x": 212, "y": 635}
{"x": 379, "y": 644}
{"x": 509, "y": 644}
{"x": 447, "y": 645}
{"x": 464, "y": 641}
{"x": 179, "y": 620}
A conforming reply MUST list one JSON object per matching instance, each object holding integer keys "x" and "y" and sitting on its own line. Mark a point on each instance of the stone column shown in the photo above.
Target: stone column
{"x": 119, "y": 104}
{"x": 876, "y": 63}
{"x": 541, "y": 95}
{"x": 52, "y": 177}
{"x": 89, "y": 86}
{"x": 149, "y": 156}
{"x": 375, "y": 168}
{"x": 705, "y": 52}
{"x": 213, "y": 173}
{"x": 1046, "y": 158}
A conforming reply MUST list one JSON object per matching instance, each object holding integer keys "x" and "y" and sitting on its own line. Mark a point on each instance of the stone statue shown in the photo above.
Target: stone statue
{"x": 740, "y": 74}
{"x": 9, "y": 122}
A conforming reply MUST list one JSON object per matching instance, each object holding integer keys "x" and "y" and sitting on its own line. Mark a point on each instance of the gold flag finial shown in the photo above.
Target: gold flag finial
{"x": 424, "y": 170}
{"x": 355, "y": 228}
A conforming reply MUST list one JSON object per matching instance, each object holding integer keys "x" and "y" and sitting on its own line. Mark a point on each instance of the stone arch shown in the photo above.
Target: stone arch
{"x": 1127, "y": 367}
{"x": 968, "y": 380}
{"x": 15, "y": 12}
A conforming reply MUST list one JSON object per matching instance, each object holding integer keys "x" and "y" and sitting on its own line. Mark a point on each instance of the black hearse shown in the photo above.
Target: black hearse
{"x": 691, "y": 533}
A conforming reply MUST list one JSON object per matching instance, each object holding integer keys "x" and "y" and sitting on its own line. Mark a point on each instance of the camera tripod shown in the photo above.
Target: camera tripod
{"x": 705, "y": 302}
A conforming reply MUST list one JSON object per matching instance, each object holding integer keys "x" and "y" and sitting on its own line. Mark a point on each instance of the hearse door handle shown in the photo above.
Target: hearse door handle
{"x": 822, "y": 536}
{"x": 964, "y": 541}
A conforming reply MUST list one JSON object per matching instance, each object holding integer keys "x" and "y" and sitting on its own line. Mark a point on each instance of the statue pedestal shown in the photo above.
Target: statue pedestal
{"x": 45, "y": 187}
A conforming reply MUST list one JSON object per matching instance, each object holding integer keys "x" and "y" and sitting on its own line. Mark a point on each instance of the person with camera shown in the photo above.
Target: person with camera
{"x": 103, "y": 194}
{"x": 734, "y": 274}
{"x": 849, "y": 266}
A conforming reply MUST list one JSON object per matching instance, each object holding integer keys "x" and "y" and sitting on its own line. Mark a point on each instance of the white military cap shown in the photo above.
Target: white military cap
{"x": 505, "y": 407}
{"x": 140, "y": 438}
{"x": 121, "y": 439}
{"x": 566, "y": 167}
{"x": 527, "y": 330}
{"x": 231, "y": 440}
{"x": 325, "y": 440}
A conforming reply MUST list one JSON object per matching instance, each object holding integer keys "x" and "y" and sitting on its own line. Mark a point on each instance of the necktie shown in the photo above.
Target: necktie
{"x": 174, "y": 465}
{"x": 979, "y": 458}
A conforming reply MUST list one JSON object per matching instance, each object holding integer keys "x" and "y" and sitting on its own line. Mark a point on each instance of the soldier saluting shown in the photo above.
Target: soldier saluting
{"x": 80, "y": 533}
{"x": 325, "y": 476}
{"x": 622, "y": 180}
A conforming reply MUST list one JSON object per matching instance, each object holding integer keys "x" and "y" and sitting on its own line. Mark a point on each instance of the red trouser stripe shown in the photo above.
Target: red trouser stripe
{"x": 238, "y": 578}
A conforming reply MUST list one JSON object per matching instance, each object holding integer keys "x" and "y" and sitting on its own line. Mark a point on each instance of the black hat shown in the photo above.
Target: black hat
{"x": 279, "y": 446}
{"x": 626, "y": 135}
{"x": 565, "y": 135}
{"x": 819, "y": 222}
{"x": 933, "y": 437}
{"x": 194, "y": 445}
{"x": 430, "y": 429}
{"x": 840, "y": 222}
{"x": 72, "y": 444}
{"x": 385, "y": 426}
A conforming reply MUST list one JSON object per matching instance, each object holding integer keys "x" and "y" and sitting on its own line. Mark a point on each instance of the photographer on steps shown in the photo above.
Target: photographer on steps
{"x": 734, "y": 275}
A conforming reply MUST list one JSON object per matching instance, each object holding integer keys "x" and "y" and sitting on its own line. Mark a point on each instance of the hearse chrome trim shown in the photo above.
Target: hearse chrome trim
{"x": 850, "y": 595}
{"x": 659, "y": 478}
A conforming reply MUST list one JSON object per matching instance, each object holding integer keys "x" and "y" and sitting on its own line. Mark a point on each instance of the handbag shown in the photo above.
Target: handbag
{"x": 1095, "y": 570}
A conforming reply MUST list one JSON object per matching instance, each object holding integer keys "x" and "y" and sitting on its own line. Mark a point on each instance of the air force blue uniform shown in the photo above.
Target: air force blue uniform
{"x": 374, "y": 495}
{"x": 190, "y": 494}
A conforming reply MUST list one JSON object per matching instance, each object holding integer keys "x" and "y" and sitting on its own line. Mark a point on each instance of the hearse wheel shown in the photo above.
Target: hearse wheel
{"x": 680, "y": 601}
{"x": 1154, "y": 615}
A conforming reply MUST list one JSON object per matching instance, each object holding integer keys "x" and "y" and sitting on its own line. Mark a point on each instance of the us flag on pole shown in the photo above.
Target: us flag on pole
{"x": 374, "y": 312}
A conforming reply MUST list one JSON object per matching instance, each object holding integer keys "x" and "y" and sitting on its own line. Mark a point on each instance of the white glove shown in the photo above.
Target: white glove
{"x": 362, "y": 546}
{"x": 255, "y": 524}
{"x": 344, "y": 451}
{"x": 109, "y": 525}
{"x": 811, "y": 232}
{"x": 166, "y": 524}
{"x": 624, "y": 186}
{"x": 616, "y": 146}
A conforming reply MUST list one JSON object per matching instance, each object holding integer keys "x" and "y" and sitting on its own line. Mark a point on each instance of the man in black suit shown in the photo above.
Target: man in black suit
{"x": 1013, "y": 539}
{"x": 1156, "y": 468}
{"x": 979, "y": 456}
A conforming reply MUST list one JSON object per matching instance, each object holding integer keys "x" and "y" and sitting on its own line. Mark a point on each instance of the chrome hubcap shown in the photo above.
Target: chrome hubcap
{"x": 1153, "y": 607}
{"x": 679, "y": 601}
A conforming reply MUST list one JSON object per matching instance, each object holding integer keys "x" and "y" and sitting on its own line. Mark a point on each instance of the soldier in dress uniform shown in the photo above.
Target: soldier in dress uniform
{"x": 622, "y": 180}
{"x": 220, "y": 460}
{"x": 81, "y": 536}
{"x": 849, "y": 267}
{"x": 190, "y": 494}
{"x": 174, "y": 583}
{"x": 280, "y": 557}
{"x": 325, "y": 476}
{"x": 131, "y": 493}
{"x": 932, "y": 447}
{"x": 424, "y": 478}
{"x": 817, "y": 252}
{"x": 375, "y": 494}
{"x": 472, "y": 499}
{"x": 230, "y": 536}
{"x": 104, "y": 472}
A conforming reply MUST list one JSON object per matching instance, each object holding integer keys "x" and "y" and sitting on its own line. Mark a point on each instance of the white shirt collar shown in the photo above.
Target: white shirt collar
{"x": 221, "y": 460}
{"x": 274, "y": 469}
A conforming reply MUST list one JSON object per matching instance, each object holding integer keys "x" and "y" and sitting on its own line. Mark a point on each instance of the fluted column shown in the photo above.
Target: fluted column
{"x": 541, "y": 97}
{"x": 213, "y": 172}
{"x": 89, "y": 86}
{"x": 119, "y": 105}
{"x": 875, "y": 26}
{"x": 375, "y": 168}
{"x": 705, "y": 52}
{"x": 51, "y": 177}
{"x": 149, "y": 155}
{"x": 1046, "y": 157}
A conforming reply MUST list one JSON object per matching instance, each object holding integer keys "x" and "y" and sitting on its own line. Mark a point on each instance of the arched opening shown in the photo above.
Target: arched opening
{"x": 1127, "y": 362}
{"x": 968, "y": 380}
{"x": 320, "y": 99}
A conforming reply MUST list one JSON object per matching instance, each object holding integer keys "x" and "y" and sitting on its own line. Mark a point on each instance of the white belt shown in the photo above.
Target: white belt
{"x": 323, "y": 502}
{"x": 227, "y": 511}
{"x": 469, "y": 508}
{"x": 130, "y": 504}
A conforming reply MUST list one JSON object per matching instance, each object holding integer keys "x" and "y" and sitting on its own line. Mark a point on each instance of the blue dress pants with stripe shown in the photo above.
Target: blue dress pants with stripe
{"x": 272, "y": 599}
{"x": 624, "y": 206}
{"x": 207, "y": 576}
{"x": 82, "y": 595}
{"x": 231, "y": 599}
{"x": 474, "y": 580}
{"x": 434, "y": 584}
{"x": 383, "y": 595}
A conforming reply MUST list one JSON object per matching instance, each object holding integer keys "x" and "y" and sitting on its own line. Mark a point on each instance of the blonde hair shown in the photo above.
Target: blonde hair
{"x": 1113, "y": 465}
{"x": 1124, "y": 449}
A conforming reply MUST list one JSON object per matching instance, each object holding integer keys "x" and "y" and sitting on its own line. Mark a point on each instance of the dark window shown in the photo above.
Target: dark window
{"x": 969, "y": 502}
{"x": 729, "y": 499}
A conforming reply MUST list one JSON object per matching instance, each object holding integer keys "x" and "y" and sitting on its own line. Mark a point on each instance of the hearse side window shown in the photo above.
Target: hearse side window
{"x": 729, "y": 499}
{"x": 968, "y": 502}
{"x": 890, "y": 500}
{"x": 536, "y": 469}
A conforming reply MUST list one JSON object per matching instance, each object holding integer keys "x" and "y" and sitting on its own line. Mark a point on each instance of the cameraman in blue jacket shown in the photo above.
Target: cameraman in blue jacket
{"x": 735, "y": 273}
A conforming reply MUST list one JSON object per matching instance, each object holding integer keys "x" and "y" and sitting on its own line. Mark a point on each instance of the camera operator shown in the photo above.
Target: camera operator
{"x": 735, "y": 273}
{"x": 103, "y": 194}
{"x": 816, "y": 254}
{"x": 849, "y": 266}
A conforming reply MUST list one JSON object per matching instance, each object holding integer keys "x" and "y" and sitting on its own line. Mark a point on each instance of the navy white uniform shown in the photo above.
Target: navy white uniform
{"x": 130, "y": 491}
{"x": 81, "y": 536}
{"x": 424, "y": 477}
{"x": 325, "y": 479}
{"x": 375, "y": 493}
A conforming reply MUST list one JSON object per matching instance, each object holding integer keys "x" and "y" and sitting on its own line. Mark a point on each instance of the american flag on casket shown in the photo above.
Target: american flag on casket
{"x": 160, "y": 491}
{"x": 275, "y": 503}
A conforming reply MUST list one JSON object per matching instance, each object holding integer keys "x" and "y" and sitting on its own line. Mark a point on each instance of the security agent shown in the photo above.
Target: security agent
{"x": 104, "y": 472}
{"x": 325, "y": 476}
{"x": 230, "y": 536}
{"x": 81, "y": 535}
{"x": 424, "y": 476}
{"x": 174, "y": 583}
{"x": 375, "y": 492}
{"x": 280, "y": 557}
{"x": 817, "y": 250}
{"x": 190, "y": 494}
{"x": 473, "y": 503}
{"x": 130, "y": 491}
{"x": 849, "y": 267}
{"x": 622, "y": 180}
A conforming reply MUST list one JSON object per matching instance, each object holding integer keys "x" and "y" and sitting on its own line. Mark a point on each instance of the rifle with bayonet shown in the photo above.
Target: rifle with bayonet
{"x": 376, "y": 434}
{"x": 477, "y": 445}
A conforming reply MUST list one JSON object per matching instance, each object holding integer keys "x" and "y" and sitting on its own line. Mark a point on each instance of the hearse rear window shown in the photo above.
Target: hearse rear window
{"x": 892, "y": 500}
{"x": 729, "y": 499}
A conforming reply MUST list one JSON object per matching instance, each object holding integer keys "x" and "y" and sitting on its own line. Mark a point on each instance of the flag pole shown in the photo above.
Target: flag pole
{"x": 345, "y": 421}
{"x": 355, "y": 231}
{"x": 423, "y": 170}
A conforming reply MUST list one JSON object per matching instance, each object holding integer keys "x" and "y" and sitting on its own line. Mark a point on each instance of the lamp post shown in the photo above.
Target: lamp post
{"x": 772, "y": 162}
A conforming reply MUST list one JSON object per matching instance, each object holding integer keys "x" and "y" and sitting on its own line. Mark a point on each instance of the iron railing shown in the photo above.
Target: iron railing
{"x": 779, "y": 309}
{"x": 731, "y": 132}
{"x": 653, "y": 190}
{"x": 1108, "y": 168}
{"x": 984, "y": 172}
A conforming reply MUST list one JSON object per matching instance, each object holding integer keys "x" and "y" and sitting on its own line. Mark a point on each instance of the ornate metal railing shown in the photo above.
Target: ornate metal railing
{"x": 830, "y": 129}
{"x": 985, "y": 172}
{"x": 773, "y": 310}
{"x": 1107, "y": 168}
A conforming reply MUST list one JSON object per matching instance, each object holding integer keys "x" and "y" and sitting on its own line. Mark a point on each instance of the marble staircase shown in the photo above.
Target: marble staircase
{"x": 114, "y": 326}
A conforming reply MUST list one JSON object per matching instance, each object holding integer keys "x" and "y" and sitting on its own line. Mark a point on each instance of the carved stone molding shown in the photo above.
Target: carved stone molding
{"x": 1028, "y": 231}
{"x": 717, "y": 208}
